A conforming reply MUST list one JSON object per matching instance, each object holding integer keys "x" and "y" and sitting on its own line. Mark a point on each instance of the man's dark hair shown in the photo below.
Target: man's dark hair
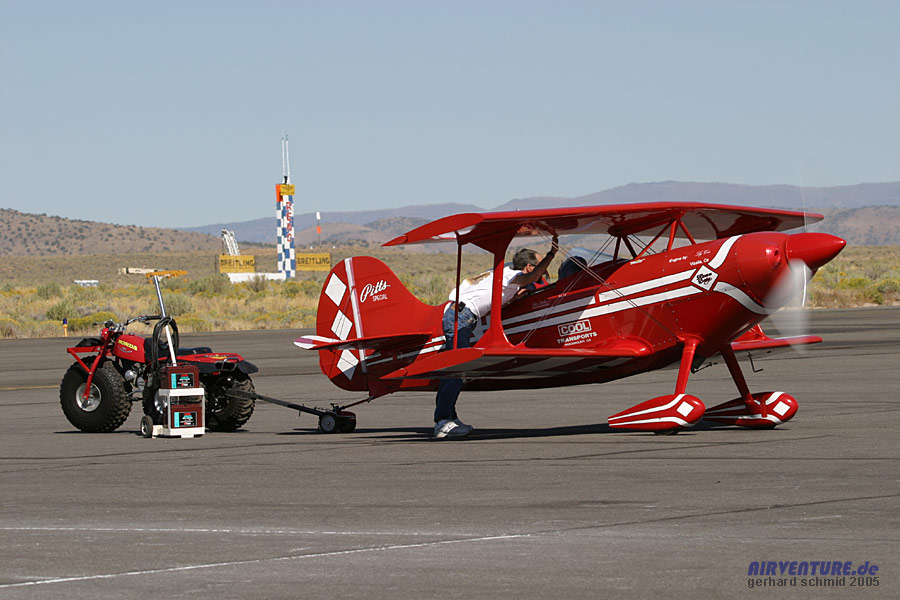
{"x": 523, "y": 258}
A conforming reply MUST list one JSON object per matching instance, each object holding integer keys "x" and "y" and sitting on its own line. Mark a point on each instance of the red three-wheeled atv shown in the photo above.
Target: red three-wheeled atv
{"x": 117, "y": 368}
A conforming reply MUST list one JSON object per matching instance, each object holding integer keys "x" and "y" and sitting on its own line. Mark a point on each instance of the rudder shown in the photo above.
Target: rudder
{"x": 363, "y": 298}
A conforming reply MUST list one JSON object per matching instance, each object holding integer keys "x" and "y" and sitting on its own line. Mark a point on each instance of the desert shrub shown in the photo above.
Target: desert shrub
{"x": 258, "y": 284}
{"x": 63, "y": 309}
{"x": 216, "y": 283}
{"x": 171, "y": 283}
{"x": 291, "y": 289}
{"x": 8, "y": 328}
{"x": 889, "y": 286}
{"x": 85, "y": 295}
{"x": 853, "y": 283}
{"x": 193, "y": 323}
{"x": 871, "y": 294}
{"x": 176, "y": 305}
{"x": 307, "y": 287}
{"x": 91, "y": 322}
{"x": 49, "y": 290}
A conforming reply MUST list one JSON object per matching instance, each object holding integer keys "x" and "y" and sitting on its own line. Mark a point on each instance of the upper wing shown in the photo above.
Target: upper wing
{"x": 704, "y": 221}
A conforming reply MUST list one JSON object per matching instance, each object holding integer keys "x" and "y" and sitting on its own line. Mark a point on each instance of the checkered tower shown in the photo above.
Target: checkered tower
{"x": 284, "y": 229}
{"x": 284, "y": 215}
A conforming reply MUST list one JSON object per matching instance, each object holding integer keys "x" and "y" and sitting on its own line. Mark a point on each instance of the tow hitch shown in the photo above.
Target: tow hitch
{"x": 335, "y": 420}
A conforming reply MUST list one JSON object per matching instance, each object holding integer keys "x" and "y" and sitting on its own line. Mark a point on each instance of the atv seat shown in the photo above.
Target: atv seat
{"x": 197, "y": 350}
{"x": 164, "y": 349}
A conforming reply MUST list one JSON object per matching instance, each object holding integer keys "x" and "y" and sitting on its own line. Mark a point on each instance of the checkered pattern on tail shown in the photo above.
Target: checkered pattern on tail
{"x": 362, "y": 297}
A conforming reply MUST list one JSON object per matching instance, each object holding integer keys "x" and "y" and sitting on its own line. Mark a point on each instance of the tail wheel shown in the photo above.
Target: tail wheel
{"x": 223, "y": 411}
{"x": 339, "y": 422}
{"x": 107, "y": 405}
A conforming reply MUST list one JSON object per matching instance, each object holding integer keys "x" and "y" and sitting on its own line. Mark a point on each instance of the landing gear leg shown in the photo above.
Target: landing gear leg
{"x": 684, "y": 371}
{"x": 763, "y": 410}
{"x": 738, "y": 376}
{"x": 667, "y": 414}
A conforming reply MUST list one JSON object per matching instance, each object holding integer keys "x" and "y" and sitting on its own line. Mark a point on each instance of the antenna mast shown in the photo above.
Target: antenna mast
{"x": 285, "y": 158}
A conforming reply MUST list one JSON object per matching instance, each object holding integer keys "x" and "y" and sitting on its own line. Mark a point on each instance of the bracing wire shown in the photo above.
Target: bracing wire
{"x": 603, "y": 282}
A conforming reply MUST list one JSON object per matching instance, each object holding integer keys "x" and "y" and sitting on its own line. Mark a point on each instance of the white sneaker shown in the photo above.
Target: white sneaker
{"x": 451, "y": 429}
{"x": 468, "y": 428}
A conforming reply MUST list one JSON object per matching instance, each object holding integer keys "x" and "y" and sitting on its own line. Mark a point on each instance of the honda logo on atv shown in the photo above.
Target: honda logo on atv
{"x": 373, "y": 291}
{"x": 573, "y": 328}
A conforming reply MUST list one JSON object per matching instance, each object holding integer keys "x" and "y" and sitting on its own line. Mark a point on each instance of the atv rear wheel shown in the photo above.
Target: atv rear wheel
{"x": 225, "y": 412}
{"x": 107, "y": 406}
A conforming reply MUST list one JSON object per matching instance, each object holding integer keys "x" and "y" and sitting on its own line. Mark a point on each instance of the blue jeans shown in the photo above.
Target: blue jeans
{"x": 448, "y": 389}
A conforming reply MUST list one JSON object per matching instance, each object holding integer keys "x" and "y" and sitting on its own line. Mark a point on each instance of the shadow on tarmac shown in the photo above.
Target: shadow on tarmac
{"x": 425, "y": 434}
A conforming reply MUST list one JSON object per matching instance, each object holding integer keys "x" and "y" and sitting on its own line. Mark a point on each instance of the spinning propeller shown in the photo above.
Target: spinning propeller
{"x": 806, "y": 252}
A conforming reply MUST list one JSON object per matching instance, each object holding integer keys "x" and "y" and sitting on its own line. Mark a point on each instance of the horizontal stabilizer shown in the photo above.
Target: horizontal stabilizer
{"x": 770, "y": 343}
{"x": 755, "y": 340}
{"x": 519, "y": 362}
{"x": 382, "y": 342}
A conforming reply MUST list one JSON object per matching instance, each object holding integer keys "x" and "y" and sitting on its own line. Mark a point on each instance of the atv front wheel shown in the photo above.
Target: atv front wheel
{"x": 223, "y": 411}
{"x": 106, "y": 407}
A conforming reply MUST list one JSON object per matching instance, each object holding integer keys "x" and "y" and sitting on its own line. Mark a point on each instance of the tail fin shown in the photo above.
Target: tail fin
{"x": 365, "y": 314}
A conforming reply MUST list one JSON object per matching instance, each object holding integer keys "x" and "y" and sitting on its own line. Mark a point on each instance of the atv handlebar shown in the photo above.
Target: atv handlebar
{"x": 121, "y": 326}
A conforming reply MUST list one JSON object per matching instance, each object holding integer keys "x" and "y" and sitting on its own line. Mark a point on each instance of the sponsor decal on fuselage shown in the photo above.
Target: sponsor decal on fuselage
{"x": 578, "y": 332}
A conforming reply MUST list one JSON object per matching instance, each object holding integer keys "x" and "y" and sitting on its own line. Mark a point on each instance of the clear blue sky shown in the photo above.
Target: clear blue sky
{"x": 171, "y": 113}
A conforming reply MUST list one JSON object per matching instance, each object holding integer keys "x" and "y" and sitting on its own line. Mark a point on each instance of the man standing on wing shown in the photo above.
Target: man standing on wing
{"x": 475, "y": 303}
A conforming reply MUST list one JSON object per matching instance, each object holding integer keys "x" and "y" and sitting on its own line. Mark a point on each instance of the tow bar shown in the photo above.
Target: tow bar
{"x": 335, "y": 420}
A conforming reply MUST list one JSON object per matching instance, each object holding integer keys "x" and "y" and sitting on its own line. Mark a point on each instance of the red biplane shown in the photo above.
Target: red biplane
{"x": 698, "y": 288}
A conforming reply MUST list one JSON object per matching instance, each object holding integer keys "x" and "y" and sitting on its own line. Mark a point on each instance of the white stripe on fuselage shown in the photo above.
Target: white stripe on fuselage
{"x": 722, "y": 254}
{"x": 615, "y": 294}
{"x": 624, "y": 302}
{"x": 744, "y": 299}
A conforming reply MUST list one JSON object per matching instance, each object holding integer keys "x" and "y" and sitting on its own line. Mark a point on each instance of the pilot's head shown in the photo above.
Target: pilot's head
{"x": 526, "y": 260}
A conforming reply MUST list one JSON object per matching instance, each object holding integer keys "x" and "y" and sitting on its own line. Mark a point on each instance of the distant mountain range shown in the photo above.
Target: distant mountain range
{"x": 26, "y": 234}
{"x": 864, "y": 214}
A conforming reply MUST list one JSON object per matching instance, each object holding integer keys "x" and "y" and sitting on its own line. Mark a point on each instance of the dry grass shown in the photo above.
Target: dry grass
{"x": 37, "y": 292}
{"x": 859, "y": 276}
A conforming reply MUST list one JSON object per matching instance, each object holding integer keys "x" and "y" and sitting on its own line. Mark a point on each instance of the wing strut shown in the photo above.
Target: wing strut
{"x": 497, "y": 244}
{"x": 459, "y": 247}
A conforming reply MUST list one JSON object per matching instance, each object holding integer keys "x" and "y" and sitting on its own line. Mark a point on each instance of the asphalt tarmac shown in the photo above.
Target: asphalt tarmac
{"x": 544, "y": 501}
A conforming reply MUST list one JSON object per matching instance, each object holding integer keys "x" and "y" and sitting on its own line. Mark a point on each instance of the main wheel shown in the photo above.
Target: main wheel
{"x": 224, "y": 412}
{"x": 107, "y": 405}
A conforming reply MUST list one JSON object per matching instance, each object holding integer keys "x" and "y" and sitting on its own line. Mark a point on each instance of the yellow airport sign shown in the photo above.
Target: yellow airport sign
{"x": 286, "y": 189}
{"x": 237, "y": 264}
{"x": 320, "y": 261}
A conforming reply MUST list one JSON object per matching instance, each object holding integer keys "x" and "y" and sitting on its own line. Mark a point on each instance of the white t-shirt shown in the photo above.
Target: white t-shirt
{"x": 477, "y": 296}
